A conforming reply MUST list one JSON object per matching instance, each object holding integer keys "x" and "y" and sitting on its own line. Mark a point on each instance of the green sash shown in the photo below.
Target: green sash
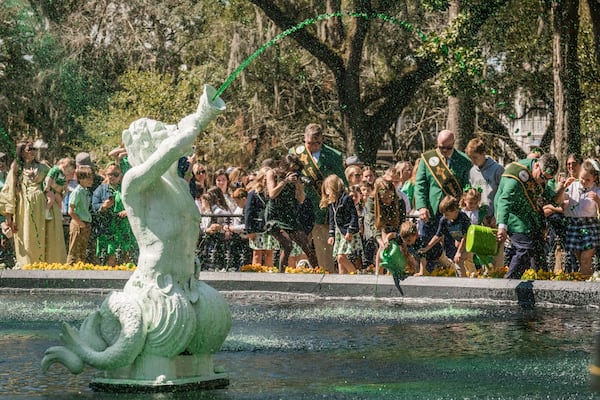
{"x": 311, "y": 169}
{"x": 521, "y": 174}
{"x": 436, "y": 163}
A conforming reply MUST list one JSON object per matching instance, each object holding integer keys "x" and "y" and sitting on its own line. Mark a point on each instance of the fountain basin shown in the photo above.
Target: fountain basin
{"x": 305, "y": 346}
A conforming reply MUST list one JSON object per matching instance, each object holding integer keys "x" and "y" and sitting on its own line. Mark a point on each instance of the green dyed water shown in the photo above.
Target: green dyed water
{"x": 307, "y": 348}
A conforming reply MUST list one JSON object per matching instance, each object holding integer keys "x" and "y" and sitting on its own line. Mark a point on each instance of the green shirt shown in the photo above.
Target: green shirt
{"x": 80, "y": 200}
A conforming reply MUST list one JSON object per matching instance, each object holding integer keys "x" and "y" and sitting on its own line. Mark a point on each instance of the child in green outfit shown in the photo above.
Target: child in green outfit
{"x": 56, "y": 183}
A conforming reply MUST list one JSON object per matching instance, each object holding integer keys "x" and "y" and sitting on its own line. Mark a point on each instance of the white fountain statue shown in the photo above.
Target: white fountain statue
{"x": 160, "y": 332}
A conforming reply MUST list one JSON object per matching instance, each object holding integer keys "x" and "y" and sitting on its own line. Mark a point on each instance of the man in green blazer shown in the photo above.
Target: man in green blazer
{"x": 522, "y": 193}
{"x": 442, "y": 171}
{"x": 319, "y": 162}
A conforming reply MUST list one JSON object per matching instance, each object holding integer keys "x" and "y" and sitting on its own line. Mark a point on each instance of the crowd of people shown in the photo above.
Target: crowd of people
{"x": 314, "y": 208}
{"x": 38, "y": 199}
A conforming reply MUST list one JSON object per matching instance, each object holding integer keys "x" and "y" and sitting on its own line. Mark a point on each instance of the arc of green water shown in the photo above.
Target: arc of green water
{"x": 309, "y": 21}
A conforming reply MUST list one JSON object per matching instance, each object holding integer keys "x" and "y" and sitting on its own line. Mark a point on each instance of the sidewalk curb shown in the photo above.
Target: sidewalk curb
{"x": 522, "y": 292}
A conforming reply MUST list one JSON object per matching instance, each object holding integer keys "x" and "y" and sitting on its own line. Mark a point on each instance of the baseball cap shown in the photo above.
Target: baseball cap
{"x": 83, "y": 158}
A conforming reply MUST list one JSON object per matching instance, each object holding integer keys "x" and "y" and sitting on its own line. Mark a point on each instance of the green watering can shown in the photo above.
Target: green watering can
{"x": 392, "y": 258}
{"x": 481, "y": 240}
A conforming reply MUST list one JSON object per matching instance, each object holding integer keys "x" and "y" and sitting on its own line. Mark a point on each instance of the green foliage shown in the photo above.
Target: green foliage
{"x": 435, "y": 5}
{"x": 590, "y": 87}
{"x": 159, "y": 96}
{"x": 61, "y": 76}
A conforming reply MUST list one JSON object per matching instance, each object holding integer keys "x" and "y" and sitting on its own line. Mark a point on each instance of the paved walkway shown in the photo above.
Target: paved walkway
{"x": 524, "y": 292}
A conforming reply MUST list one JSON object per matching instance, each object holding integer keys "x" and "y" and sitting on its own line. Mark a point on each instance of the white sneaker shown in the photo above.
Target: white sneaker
{"x": 303, "y": 264}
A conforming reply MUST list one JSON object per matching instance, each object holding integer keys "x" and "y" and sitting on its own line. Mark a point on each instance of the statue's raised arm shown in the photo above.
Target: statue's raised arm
{"x": 162, "y": 214}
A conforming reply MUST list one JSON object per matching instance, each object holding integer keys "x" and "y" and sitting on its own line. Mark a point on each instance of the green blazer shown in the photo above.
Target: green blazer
{"x": 427, "y": 192}
{"x": 330, "y": 162}
{"x": 512, "y": 207}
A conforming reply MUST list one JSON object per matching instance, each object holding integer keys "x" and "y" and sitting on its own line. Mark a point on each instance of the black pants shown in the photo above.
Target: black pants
{"x": 528, "y": 253}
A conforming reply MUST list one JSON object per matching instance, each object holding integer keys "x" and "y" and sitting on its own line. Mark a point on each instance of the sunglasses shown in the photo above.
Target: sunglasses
{"x": 446, "y": 148}
{"x": 544, "y": 177}
{"x": 317, "y": 143}
{"x": 200, "y": 172}
{"x": 115, "y": 174}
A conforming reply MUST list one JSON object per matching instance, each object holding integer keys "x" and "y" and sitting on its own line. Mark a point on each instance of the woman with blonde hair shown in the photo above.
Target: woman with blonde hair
{"x": 261, "y": 243}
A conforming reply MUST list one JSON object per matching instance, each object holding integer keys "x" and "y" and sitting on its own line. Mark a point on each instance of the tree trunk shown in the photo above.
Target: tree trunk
{"x": 461, "y": 118}
{"x": 567, "y": 95}
{"x": 461, "y": 107}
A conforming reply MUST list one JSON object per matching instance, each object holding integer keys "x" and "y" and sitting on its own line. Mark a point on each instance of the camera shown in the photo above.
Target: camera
{"x": 306, "y": 180}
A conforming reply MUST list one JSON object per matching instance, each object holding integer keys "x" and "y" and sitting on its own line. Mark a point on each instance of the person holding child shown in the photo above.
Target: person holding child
{"x": 55, "y": 184}
{"x": 580, "y": 204}
{"x": 454, "y": 223}
{"x": 81, "y": 218}
{"x": 344, "y": 233}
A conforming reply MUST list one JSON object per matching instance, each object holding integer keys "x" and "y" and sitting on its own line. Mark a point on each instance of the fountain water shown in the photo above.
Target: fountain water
{"x": 302, "y": 346}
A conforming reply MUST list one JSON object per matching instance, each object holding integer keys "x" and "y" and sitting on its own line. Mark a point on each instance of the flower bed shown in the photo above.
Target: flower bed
{"x": 79, "y": 266}
{"x": 288, "y": 270}
{"x": 495, "y": 272}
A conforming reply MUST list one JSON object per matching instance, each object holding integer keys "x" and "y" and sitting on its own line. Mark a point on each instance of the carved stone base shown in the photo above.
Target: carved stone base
{"x": 216, "y": 381}
{"x": 151, "y": 374}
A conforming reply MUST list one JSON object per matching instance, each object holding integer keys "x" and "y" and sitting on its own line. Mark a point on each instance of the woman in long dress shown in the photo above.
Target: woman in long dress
{"x": 23, "y": 202}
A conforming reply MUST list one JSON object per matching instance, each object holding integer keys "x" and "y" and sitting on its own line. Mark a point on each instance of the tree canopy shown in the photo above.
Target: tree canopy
{"x": 77, "y": 73}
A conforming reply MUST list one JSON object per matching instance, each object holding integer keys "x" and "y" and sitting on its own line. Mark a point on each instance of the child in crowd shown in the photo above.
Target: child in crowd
{"x": 356, "y": 194}
{"x": 470, "y": 205}
{"x": 386, "y": 211}
{"x": 369, "y": 241}
{"x": 455, "y": 223}
{"x": 411, "y": 243}
{"x": 81, "y": 217}
{"x": 261, "y": 243}
{"x": 55, "y": 183}
{"x": 580, "y": 207}
{"x": 343, "y": 222}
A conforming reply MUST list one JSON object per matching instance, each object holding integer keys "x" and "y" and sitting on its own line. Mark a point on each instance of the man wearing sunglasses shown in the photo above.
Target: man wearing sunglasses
{"x": 443, "y": 171}
{"x": 522, "y": 193}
